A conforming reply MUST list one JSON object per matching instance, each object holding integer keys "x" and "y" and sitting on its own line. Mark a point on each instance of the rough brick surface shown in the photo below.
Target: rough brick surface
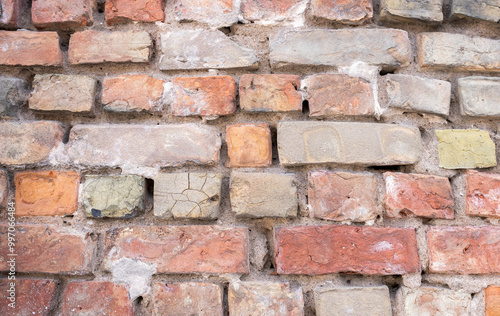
{"x": 488, "y": 10}
{"x": 408, "y": 195}
{"x": 49, "y": 249}
{"x": 4, "y": 189}
{"x": 479, "y": 96}
{"x": 348, "y": 12}
{"x": 96, "y": 298}
{"x": 70, "y": 93}
{"x": 483, "y": 194}
{"x": 249, "y": 145}
{"x": 143, "y": 145}
{"x": 28, "y": 142}
{"x": 464, "y": 250}
{"x": 333, "y": 142}
{"x": 492, "y": 300}
{"x": 13, "y": 94}
{"x": 270, "y": 93}
{"x": 265, "y": 298}
{"x": 123, "y": 11}
{"x": 33, "y": 297}
{"x": 215, "y": 12}
{"x": 26, "y": 48}
{"x": 132, "y": 93}
{"x": 205, "y": 96}
{"x": 338, "y": 94}
{"x": 46, "y": 193}
{"x": 62, "y": 13}
{"x": 10, "y": 12}
{"x": 270, "y": 11}
{"x": 314, "y": 250}
{"x": 180, "y": 249}
{"x": 342, "y": 196}
{"x": 403, "y": 10}
{"x": 94, "y": 47}
{"x": 205, "y": 299}
{"x": 434, "y": 301}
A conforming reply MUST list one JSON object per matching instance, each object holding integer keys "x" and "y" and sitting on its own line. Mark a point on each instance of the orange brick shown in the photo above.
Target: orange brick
{"x": 204, "y": 299}
{"x": 34, "y": 297}
{"x": 483, "y": 194}
{"x": 249, "y": 145}
{"x": 46, "y": 193}
{"x": 26, "y": 48}
{"x": 492, "y": 300}
{"x": 123, "y": 11}
{"x": 62, "y": 13}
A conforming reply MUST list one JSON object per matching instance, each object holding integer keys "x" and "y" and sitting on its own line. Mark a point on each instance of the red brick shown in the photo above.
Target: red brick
{"x": 410, "y": 195}
{"x": 464, "y": 250}
{"x": 269, "y": 9}
{"x": 48, "y": 249}
{"x": 33, "y": 297}
{"x": 11, "y": 12}
{"x": 46, "y": 193}
{"x": 189, "y": 298}
{"x": 206, "y": 96}
{"x": 343, "y": 196}
{"x": 4, "y": 189}
{"x": 181, "y": 249}
{"x": 130, "y": 93}
{"x": 202, "y": 10}
{"x": 337, "y": 94}
{"x": 315, "y": 250}
{"x": 270, "y": 93}
{"x": 249, "y": 145}
{"x": 62, "y": 13}
{"x": 96, "y": 298}
{"x": 492, "y": 300}
{"x": 26, "y": 48}
{"x": 483, "y": 194}
{"x": 345, "y": 11}
{"x": 124, "y": 11}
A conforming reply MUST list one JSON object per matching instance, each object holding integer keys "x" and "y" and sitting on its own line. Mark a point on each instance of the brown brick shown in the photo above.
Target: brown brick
{"x": 483, "y": 194}
{"x": 132, "y": 93}
{"x": 492, "y": 300}
{"x": 249, "y": 145}
{"x": 213, "y": 12}
{"x": 26, "y": 48}
{"x": 124, "y": 11}
{"x": 11, "y": 12}
{"x": 27, "y": 143}
{"x": 348, "y": 12}
{"x": 49, "y": 249}
{"x": 337, "y": 94}
{"x": 96, "y": 298}
{"x": 172, "y": 299}
{"x": 270, "y": 93}
{"x": 181, "y": 249}
{"x": 254, "y": 10}
{"x": 32, "y": 296}
{"x": 4, "y": 189}
{"x": 315, "y": 250}
{"x": 62, "y": 13}
{"x": 409, "y": 195}
{"x": 206, "y": 96}
{"x": 93, "y": 47}
{"x": 464, "y": 250}
{"x": 46, "y": 193}
{"x": 343, "y": 196}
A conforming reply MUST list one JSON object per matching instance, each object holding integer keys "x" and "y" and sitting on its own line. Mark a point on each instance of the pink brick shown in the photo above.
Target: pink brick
{"x": 62, "y": 13}
{"x": 483, "y": 194}
{"x": 26, "y": 48}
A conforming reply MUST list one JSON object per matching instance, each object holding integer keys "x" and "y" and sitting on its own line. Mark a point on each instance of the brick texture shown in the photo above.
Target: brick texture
{"x": 269, "y": 10}
{"x": 62, "y": 14}
{"x": 348, "y": 12}
{"x": 123, "y": 11}
{"x": 10, "y": 16}
{"x": 33, "y": 296}
{"x": 492, "y": 300}
{"x": 483, "y": 194}
{"x": 4, "y": 189}
{"x": 26, "y": 48}
{"x": 249, "y": 145}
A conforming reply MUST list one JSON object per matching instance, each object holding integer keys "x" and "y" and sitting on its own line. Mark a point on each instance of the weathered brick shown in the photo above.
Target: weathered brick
{"x": 269, "y": 10}
{"x": 72, "y": 93}
{"x": 464, "y": 250}
{"x": 187, "y": 195}
{"x": 205, "y": 96}
{"x": 34, "y": 296}
{"x": 409, "y": 195}
{"x": 343, "y": 196}
{"x": 349, "y": 143}
{"x": 203, "y": 49}
{"x": 62, "y": 13}
{"x": 265, "y": 298}
{"x": 347, "y": 12}
{"x": 10, "y": 12}
{"x": 215, "y": 12}
{"x": 492, "y": 300}
{"x": 483, "y": 194}
{"x": 407, "y": 10}
{"x": 488, "y": 10}
{"x": 315, "y": 250}
{"x": 28, "y": 142}
{"x": 465, "y": 148}
{"x": 387, "y": 48}
{"x": 49, "y": 249}
{"x": 46, "y": 193}
{"x": 340, "y": 301}
{"x": 4, "y": 189}
{"x": 124, "y": 11}
{"x": 114, "y": 196}
{"x": 190, "y": 298}
{"x": 96, "y": 298}
{"x": 338, "y": 95}
{"x": 13, "y": 94}
{"x": 270, "y": 93}
{"x": 94, "y": 47}
{"x": 416, "y": 94}
{"x": 143, "y": 145}
{"x": 132, "y": 93}
{"x": 180, "y": 249}
{"x": 249, "y": 145}
{"x": 434, "y": 301}
{"x": 26, "y": 48}
{"x": 263, "y": 195}
{"x": 457, "y": 51}
{"x": 479, "y": 96}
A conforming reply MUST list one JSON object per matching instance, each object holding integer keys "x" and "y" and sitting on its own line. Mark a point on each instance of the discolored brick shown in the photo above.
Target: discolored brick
{"x": 62, "y": 14}
{"x": 482, "y": 194}
{"x": 492, "y": 300}
{"x": 13, "y": 95}
{"x": 214, "y": 13}
{"x": 272, "y": 10}
{"x": 487, "y": 10}
{"x": 434, "y": 301}
{"x": 11, "y": 12}
{"x": 249, "y": 145}
{"x": 26, "y": 48}
{"x": 125, "y": 11}
{"x": 31, "y": 296}
{"x": 407, "y": 10}
{"x": 347, "y": 12}
{"x": 4, "y": 189}
{"x": 478, "y": 96}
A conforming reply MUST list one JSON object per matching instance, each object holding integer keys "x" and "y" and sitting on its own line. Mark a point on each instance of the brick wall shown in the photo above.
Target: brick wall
{"x": 250, "y": 157}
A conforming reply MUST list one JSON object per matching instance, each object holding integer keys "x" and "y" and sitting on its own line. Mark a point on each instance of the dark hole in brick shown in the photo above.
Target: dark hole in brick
{"x": 305, "y": 107}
